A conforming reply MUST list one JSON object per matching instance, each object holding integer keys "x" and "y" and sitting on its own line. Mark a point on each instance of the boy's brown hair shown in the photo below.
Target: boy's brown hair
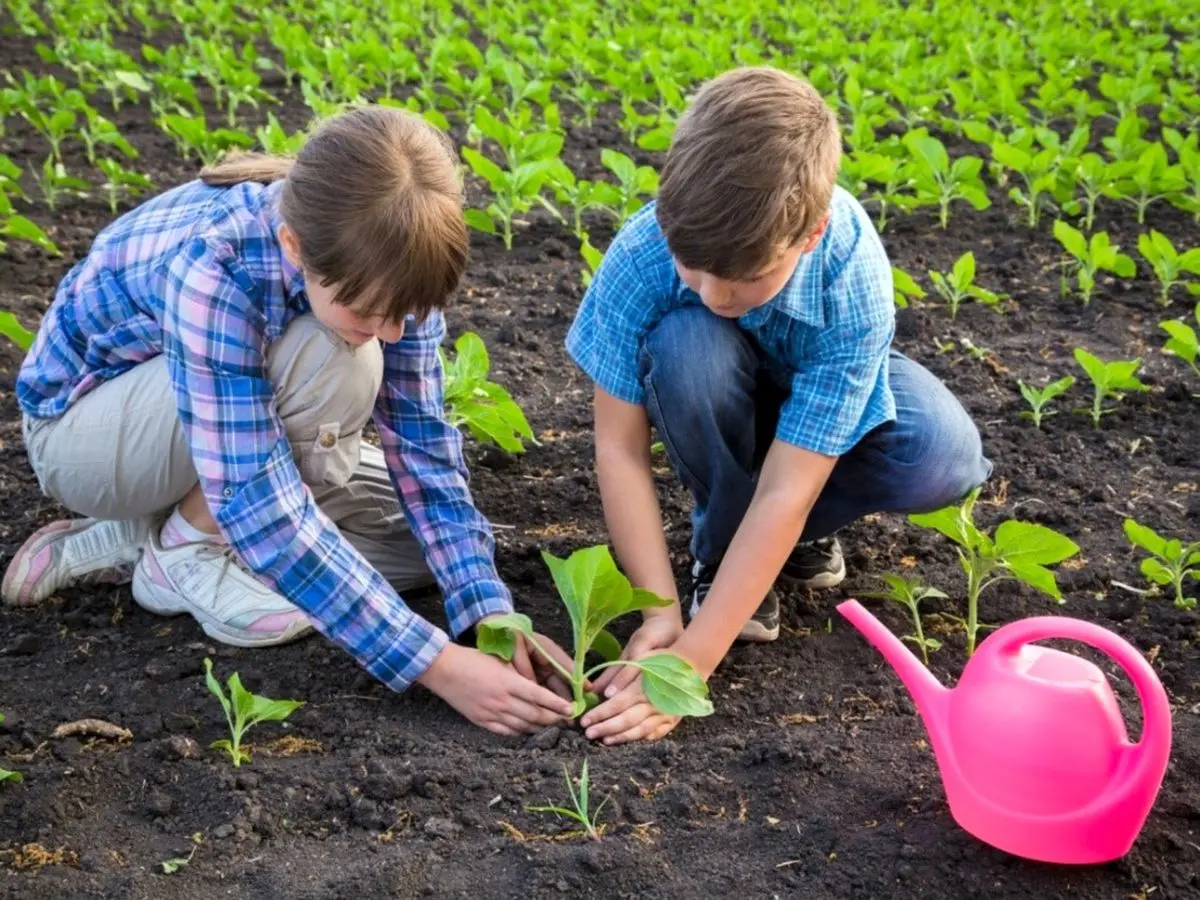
{"x": 376, "y": 205}
{"x": 750, "y": 172}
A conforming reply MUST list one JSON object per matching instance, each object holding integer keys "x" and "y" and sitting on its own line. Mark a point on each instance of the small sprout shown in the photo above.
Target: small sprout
{"x": 959, "y": 284}
{"x": 904, "y": 288}
{"x": 580, "y": 803}
{"x": 1170, "y": 561}
{"x": 909, "y": 592}
{"x": 244, "y": 710}
{"x": 595, "y": 592}
{"x": 484, "y": 407}
{"x": 1169, "y": 265}
{"x": 1090, "y": 257}
{"x": 1018, "y": 551}
{"x": 1037, "y": 398}
{"x": 1108, "y": 379}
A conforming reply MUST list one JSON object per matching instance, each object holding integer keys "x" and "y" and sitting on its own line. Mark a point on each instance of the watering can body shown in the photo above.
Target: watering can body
{"x": 1031, "y": 745}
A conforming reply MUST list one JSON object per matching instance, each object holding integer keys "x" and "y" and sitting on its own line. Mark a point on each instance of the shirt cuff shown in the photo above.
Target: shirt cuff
{"x": 415, "y": 647}
{"x": 475, "y": 601}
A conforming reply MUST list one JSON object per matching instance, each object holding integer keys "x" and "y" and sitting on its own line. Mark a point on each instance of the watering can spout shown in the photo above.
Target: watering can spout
{"x": 927, "y": 692}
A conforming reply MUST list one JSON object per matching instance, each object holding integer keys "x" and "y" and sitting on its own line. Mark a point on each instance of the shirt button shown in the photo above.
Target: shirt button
{"x": 227, "y": 493}
{"x": 327, "y": 439}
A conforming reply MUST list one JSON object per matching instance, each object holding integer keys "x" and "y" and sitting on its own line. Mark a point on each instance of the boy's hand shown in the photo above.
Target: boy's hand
{"x": 659, "y": 630}
{"x": 492, "y": 693}
{"x": 628, "y": 717}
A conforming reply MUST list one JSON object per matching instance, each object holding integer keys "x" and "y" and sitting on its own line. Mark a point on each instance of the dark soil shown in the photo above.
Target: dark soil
{"x": 813, "y": 778}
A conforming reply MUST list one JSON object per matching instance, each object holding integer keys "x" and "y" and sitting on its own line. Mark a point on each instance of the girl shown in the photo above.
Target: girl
{"x": 212, "y": 362}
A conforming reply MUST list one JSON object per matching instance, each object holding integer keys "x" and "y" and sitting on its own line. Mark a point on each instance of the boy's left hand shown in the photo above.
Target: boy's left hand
{"x": 628, "y": 716}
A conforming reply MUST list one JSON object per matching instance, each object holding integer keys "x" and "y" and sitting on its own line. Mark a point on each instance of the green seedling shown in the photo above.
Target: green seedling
{"x": 1091, "y": 257}
{"x": 16, "y": 227}
{"x": 193, "y": 137}
{"x": 939, "y": 182}
{"x": 56, "y": 182}
{"x": 244, "y": 710}
{"x": 1094, "y": 178}
{"x": 1170, "y": 561}
{"x": 1183, "y": 342}
{"x": 1169, "y": 265}
{"x": 1148, "y": 179}
{"x": 634, "y": 183}
{"x": 514, "y": 191}
{"x": 120, "y": 182}
{"x": 887, "y": 172}
{"x": 595, "y": 592}
{"x": 1039, "y": 159}
{"x": 909, "y": 592}
{"x": 17, "y": 777}
{"x": 579, "y": 810}
{"x": 1018, "y": 551}
{"x": 486, "y": 409}
{"x": 958, "y": 284}
{"x": 1108, "y": 380}
{"x": 580, "y": 196}
{"x": 1037, "y": 398}
{"x": 591, "y": 260}
{"x": 904, "y": 286}
{"x": 275, "y": 140}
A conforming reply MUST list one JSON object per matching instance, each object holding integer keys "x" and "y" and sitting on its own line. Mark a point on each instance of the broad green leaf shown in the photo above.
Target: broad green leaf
{"x": 471, "y": 357}
{"x": 929, "y": 150}
{"x": 1123, "y": 266}
{"x": 1091, "y": 364}
{"x": 264, "y": 709}
{"x": 587, "y": 574}
{"x": 620, "y": 165}
{"x": 964, "y": 269}
{"x": 14, "y": 777}
{"x": 1037, "y": 577}
{"x": 540, "y": 146}
{"x": 15, "y": 331}
{"x": 1071, "y": 239}
{"x": 904, "y": 286}
{"x": 606, "y": 644}
{"x": 23, "y": 229}
{"x": 497, "y": 636}
{"x": 133, "y": 80}
{"x": 1155, "y": 571}
{"x": 485, "y": 168}
{"x": 672, "y": 686}
{"x": 1145, "y": 537}
{"x": 949, "y": 521}
{"x": 215, "y": 687}
{"x": 1021, "y": 543}
{"x": 480, "y": 221}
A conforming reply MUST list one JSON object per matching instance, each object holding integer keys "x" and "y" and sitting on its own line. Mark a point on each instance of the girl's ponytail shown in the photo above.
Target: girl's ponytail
{"x": 239, "y": 167}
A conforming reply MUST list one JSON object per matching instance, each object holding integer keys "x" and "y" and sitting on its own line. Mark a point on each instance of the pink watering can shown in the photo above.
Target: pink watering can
{"x": 1031, "y": 745}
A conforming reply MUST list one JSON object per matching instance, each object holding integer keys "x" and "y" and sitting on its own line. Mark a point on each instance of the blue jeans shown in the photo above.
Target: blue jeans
{"x": 715, "y": 409}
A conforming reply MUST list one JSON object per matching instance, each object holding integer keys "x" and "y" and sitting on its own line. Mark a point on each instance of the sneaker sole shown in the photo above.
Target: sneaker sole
{"x": 819, "y": 581}
{"x": 753, "y": 632}
{"x": 152, "y": 597}
{"x": 22, "y": 563}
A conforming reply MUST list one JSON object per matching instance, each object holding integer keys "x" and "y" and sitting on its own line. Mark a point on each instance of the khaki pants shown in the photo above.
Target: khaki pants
{"x": 119, "y": 452}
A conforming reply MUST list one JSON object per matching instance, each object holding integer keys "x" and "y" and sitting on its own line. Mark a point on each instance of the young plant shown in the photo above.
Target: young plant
{"x": 15, "y": 227}
{"x": 55, "y": 182}
{"x": 1147, "y": 179}
{"x": 1039, "y": 165}
{"x": 595, "y": 592}
{"x": 591, "y": 259}
{"x": 904, "y": 286}
{"x": 579, "y": 810}
{"x": 959, "y": 283}
{"x": 1183, "y": 342}
{"x": 1090, "y": 257}
{"x": 581, "y": 195}
{"x": 634, "y": 183}
{"x": 514, "y": 191}
{"x": 1019, "y": 551}
{"x": 17, "y": 777}
{"x": 1169, "y": 563}
{"x": 1108, "y": 380}
{"x": 121, "y": 182}
{"x": 1169, "y": 264}
{"x": 486, "y": 409}
{"x": 1037, "y": 398}
{"x": 939, "y": 182}
{"x": 244, "y": 710}
{"x": 909, "y": 592}
{"x": 192, "y": 137}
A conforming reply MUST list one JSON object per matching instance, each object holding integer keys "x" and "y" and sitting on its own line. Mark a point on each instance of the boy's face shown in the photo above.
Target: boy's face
{"x": 733, "y": 299}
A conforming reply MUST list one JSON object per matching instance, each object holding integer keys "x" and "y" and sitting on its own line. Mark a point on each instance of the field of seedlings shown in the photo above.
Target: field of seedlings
{"x": 1034, "y": 170}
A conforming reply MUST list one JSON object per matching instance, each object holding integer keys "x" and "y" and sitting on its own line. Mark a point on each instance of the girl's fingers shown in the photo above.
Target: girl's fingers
{"x": 612, "y": 707}
{"x": 537, "y": 695}
{"x": 622, "y": 722}
{"x": 625, "y": 676}
{"x": 520, "y": 660}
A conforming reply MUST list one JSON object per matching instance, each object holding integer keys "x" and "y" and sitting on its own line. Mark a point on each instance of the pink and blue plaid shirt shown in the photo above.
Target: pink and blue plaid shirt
{"x": 197, "y": 274}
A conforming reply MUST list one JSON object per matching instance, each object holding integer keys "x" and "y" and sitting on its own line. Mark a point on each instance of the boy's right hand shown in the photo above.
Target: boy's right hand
{"x": 491, "y": 693}
{"x": 660, "y": 629}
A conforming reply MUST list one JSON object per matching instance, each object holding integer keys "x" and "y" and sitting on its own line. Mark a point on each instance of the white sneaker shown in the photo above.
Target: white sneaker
{"x": 74, "y": 551}
{"x": 208, "y": 581}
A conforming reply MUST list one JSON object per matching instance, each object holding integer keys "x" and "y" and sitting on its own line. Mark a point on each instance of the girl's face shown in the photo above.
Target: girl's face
{"x": 354, "y": 328}
{"x": 733, "y": 299}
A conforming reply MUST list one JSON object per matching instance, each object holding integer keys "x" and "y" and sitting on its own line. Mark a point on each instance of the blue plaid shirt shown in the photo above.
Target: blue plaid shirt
{"x": 826, "y": 334}
{"x": 197, "y": 274}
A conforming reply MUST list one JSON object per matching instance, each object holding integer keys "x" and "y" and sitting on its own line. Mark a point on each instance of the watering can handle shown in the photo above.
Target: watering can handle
{"x": 1156, "y": 709}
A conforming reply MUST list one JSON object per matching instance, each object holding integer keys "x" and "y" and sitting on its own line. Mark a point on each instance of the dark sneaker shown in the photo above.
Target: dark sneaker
{"x": 762, "y": 627}
{"x": 814, "y": 564}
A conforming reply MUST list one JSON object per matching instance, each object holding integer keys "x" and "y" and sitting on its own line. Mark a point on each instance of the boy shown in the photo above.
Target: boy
{"x": 748, "y": 316}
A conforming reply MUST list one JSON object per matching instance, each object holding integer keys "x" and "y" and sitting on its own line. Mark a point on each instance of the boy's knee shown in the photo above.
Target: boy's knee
{"x": 694, "y": 357}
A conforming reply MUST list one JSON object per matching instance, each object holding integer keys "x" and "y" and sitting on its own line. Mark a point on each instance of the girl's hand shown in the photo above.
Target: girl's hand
{"x": 492, "y": 693}
{"x": 658, "y": 632}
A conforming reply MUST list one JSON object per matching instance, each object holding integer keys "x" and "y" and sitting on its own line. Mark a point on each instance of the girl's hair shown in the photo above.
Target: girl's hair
{"x": 375, "y": 202}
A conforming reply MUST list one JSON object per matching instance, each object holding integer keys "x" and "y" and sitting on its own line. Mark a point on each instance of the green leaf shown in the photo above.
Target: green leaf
{"x": 1071, "y": 239}
{"x": 215, "y": 687}
{"x": 1037, "y": 577}
{"x": 1155, "y": 571}
{"x": 606, "y": 644}
{"x": 904, "y": 286}
{"x": 471, "y": 357}
{"x": 1091, "y": 364}
{"x": 1145, "y": 537}
{"x": 23, "y": 229}
{"x": 964, "y": 270}
{"x": 497, "y": 636}
{"x": 1019, "y": 543}
{"x": 8, "y": 775}
{"x": 485, "y": 168}
{"x": 15, "y": 331}
{"x": 480, "y": 221}
{"x": 673, "y": 687}
{"x": 263, "y": 709}
{"x": 133, "y": 80}
{"x": 949, "y": 521}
